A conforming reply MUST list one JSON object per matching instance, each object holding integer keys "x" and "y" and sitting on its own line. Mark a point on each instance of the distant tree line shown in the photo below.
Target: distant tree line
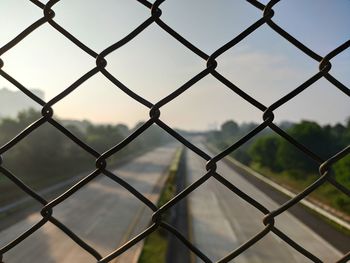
{"x": 271, "y": 151}
{"x": 46, "y": 155}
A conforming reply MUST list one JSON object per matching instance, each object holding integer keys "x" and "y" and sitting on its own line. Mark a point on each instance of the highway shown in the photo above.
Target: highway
{"x": 102, "y": 213}
{"x": 221, "y": 221}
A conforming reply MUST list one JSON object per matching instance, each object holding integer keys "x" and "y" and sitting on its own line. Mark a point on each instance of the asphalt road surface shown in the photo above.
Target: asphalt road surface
{"x": 221, "y": 221}
{"x": 102, "y": 213}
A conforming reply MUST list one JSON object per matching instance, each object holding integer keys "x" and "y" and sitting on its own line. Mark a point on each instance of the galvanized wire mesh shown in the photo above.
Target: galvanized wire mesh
{"x": 154, "y": 113}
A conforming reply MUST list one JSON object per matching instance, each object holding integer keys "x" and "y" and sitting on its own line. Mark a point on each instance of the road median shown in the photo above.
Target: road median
{"x": 155, "y": 247}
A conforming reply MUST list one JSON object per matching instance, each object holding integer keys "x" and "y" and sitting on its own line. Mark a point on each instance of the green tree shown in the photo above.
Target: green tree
{"x": 342, "y": 175}
{"x": 264, "y": 151}
{"x": 313, "y": 137}
{"x": 342, "y": 171}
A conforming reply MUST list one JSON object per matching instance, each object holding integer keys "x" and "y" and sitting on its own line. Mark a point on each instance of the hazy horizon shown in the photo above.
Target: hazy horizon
{"x": 13, "y": 112}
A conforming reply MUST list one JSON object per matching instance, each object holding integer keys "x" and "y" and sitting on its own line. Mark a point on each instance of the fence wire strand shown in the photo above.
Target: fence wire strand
{"x": 268, "y": 217}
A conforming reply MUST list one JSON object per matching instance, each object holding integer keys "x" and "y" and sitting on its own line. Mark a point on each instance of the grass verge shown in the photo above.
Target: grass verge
{"x": 317, "y": 197}
{"x": 325, "y": 194}
{"x": 156, "y": 245}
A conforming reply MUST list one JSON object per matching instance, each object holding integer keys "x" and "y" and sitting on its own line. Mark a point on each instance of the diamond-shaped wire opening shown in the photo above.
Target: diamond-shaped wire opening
{"x": 108, "y": 224}
{"x": 265, "y": 66}
{"x": 125, "y": 16}
{"x": 320, "y": 93}
{"x": 25, "y": 16}
{"x": 228, "y": 134}
{"x": 147, "y": 173}
{"x": 194, "y": 111}
{"x": 71, "y": 162}
{"x": 155, "y": 79}
{"x": 85, "y": 104}
{"x": 193, "y": 20}
{"x": 56, "y": 72}
{"x": 321, "y": 35}
{"x": 209, "y": 217}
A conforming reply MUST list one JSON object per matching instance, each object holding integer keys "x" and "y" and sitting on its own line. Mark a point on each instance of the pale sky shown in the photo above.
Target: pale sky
{"x": 154, "y": 64}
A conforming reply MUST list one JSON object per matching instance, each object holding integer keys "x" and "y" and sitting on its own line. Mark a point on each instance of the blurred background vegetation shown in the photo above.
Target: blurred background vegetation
{"x": 273, "y": 156}
{"x": 46, "y": 156}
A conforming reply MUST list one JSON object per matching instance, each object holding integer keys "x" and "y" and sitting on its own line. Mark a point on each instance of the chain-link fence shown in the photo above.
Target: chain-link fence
{"x": 154, "y": 113}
